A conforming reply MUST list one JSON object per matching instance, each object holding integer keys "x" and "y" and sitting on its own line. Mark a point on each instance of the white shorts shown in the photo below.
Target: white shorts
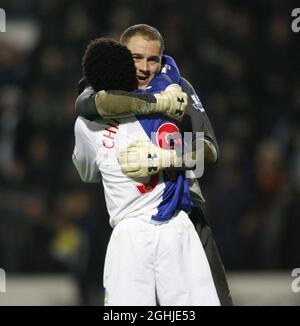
{"x": 149, "y": 264}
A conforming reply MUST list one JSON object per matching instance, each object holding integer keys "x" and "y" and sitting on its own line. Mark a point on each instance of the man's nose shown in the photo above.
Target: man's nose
{"x": 144, "y": 65}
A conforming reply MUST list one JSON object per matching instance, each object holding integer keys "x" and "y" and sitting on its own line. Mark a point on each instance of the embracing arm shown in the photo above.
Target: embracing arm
{"x": 116, "y": 104}
{"x": 157, "y": 98}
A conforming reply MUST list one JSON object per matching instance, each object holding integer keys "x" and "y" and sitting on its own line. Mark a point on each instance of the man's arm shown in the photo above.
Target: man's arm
{"x": 92, "y": 106}
{"x": 85, "y": 154}
{"x": 171, "y": 102}
{"x": 85, "y": 105}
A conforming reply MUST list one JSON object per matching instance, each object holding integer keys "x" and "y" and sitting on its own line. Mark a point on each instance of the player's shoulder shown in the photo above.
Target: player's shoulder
{"x": 85, "y": 126}
{"x": 187, "y": 86}
{"x": 189, "y": 89}
{"x": 81, "y": 124}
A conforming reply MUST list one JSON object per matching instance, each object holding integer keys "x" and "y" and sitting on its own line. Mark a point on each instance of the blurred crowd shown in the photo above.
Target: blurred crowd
{"x": 241, "y": 57}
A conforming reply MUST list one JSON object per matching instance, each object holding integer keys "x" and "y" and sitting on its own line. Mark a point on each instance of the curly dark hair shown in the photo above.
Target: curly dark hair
{"x": 108, "y": 65}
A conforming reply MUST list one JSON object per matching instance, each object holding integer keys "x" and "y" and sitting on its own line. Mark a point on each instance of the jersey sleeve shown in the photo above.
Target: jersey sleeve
{"x": 85, "y": 155}
{"x": 85, "y": 104}
{"x": 195, "y": 118}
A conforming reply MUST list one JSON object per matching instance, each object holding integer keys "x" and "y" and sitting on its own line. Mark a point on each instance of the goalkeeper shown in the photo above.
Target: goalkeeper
{"x": 93, "y": 104}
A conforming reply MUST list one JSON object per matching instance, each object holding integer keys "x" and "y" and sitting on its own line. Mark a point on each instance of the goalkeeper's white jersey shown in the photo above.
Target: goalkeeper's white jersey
{"x": 97, "y": 145}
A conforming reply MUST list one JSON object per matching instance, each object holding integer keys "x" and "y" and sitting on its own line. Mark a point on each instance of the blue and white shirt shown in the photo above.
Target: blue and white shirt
{"x": 97, "y": 146}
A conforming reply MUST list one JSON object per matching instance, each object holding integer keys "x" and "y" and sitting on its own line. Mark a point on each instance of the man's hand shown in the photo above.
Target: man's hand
{"x": 172, "y": 102}
{"x": 143, "y": 159}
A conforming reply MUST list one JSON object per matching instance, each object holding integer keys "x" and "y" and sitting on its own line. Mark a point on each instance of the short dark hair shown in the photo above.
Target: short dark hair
{"x": 108, "y": 65}
{"x": 146, "y": 31}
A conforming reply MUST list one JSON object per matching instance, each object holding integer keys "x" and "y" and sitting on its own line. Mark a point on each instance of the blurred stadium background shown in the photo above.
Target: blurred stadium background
{"x": 241, "y": 56}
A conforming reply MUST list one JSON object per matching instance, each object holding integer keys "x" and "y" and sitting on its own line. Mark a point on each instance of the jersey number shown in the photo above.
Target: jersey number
{"x": 148, "y": 187}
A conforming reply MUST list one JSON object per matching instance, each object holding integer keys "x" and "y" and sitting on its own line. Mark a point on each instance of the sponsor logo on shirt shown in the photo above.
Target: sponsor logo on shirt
{"x": 197, "y": 103}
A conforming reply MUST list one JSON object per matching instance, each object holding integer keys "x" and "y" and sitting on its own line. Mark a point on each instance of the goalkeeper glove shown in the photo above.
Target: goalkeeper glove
{"x": 172, "y": 102}
{"x": 143, "y": 159}
{"x": 113, "y": 104}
